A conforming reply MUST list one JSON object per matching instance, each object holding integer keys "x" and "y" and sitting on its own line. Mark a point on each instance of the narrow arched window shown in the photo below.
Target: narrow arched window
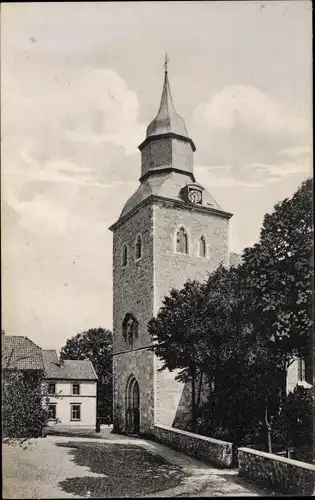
{"x": 138, "y": 247}
{"x": 202, "y": 247}
{"x": 125, "y": 256}
{"x": 181, "y": 241}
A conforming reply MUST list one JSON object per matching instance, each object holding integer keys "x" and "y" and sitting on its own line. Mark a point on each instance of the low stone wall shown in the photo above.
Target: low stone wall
{"x": 209, "y": 450}
{"x": 276, "y": 474}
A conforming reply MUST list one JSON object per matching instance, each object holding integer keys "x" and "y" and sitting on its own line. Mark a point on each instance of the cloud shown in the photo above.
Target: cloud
{"x": 219, "y": 176}
{"x": 276, "y": 172}
{"x": 248, "y": 107}
{"x": 297, "y": 152}
{"x": 38, "y": 215}
{"x": 108, "y": 111}
{"x": 85, "y": 117}
{"x": 261, "y": 138}
{"x": 77, "y": 130}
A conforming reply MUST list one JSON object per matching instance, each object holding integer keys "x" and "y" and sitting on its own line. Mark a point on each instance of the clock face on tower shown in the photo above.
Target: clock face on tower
{"x": 194, "y": 196}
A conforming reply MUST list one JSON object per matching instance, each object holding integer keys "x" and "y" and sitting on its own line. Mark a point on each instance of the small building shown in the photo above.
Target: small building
{"x": 299, "y": 373}
{"x": 72, "y": 389}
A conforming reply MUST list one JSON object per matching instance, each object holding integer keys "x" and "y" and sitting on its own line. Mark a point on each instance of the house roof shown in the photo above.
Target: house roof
{"x": 69, "y": 369}
{"x": 19, "y": 352}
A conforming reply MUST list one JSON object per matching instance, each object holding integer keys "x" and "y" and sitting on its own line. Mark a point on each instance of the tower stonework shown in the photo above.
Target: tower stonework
{"x": 170, "y": 230}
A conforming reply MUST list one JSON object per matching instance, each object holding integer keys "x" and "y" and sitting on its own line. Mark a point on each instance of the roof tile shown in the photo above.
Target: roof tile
{"x": 19, "y": 352}
{"x": 69, "y": 369}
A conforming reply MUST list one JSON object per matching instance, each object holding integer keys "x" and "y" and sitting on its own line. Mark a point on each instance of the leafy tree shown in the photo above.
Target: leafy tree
{"x": 223, "y": 322}
{"x": 195, "y": 332}
{"x": 175, "y": 332}
{"x": 24, "y": 414}
{"x": 278, "y": 274}
{"x": 95, "y": 344}
{"x": 227, "y": 357}
{"x": 294, "y": 427}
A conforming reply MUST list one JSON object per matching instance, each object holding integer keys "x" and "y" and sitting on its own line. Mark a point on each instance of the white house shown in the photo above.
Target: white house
{"x": 72, "y": 391}
{"x": 296, "y": 375}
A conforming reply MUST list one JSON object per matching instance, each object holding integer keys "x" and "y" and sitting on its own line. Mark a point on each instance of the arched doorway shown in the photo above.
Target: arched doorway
{"x": 132, "y": 406}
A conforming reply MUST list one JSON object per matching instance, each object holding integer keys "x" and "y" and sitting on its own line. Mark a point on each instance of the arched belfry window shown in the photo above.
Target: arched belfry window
{"x": 138, "y": 247}
{"x": 130, "y": 328}
{"x": 202, "y": 247}
{"x": 182, "y": 241}
{"x": 125, "y": 255}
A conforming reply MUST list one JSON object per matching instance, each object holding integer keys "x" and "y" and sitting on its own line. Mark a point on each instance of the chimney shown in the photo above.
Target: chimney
{"x": 61, "y": 362}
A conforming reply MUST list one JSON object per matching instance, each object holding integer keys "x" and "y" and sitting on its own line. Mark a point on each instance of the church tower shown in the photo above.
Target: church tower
{"x": 170, "y": 230}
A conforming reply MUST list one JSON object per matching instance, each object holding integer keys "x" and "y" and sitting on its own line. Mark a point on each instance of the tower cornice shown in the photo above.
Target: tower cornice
{"x": 166, "y": 170}
{"x": 166, "y": 135}
{"x": 171, "y": 203}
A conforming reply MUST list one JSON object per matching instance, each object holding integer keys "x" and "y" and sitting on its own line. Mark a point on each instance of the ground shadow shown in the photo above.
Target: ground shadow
{"x": 246, "y": 484}
{"x": 129, "y": 471}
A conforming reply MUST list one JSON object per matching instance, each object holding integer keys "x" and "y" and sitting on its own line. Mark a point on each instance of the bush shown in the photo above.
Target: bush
{"x": 294, "y": 428}
{"x": 231, "y": 416}
{"x": 23, "y": 411}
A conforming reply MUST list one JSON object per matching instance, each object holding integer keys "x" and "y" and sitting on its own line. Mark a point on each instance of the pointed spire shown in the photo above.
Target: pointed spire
{"x": 167, "y": 120}
{"x": 165, "y": 62}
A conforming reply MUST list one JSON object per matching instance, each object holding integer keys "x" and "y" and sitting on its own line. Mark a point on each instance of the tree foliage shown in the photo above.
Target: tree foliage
{"x": 95, "y": 344}
{"x": 176, "y": 327}
{"x": 279, "y": 275}
{"x": 222, "y": 317}
{"x": 294, "y": 427}
{"x": 24, "y": 414}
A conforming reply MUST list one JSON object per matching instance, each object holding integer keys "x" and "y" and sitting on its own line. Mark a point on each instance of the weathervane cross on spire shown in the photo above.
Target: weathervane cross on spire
{"x": 166, "y": 61}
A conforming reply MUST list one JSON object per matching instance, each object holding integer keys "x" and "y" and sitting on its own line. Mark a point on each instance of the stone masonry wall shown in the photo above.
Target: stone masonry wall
{"x": 277, "y": 474}
{"x": 172, "y": 270}
{"x": 140, "y": 287}
{"x": 213, "y": 451}
{"x": 133, "y": 284}
{"x": 133, "y": 293}
{"x": 140, "y": 365}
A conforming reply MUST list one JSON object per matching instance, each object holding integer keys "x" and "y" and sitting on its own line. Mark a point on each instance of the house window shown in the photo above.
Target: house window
{"x": 75, "y": 412}
{"x": 138, "y": 247}
{"x": 76, "y": 389}
{"x": 301, "y": 369}
{"x": 181, "y": 241}
{"x": 52, "y": 411}
{"x": 202, "y": 247}
{"x": 51, "y": 389}
{"x": 125, "y": 256}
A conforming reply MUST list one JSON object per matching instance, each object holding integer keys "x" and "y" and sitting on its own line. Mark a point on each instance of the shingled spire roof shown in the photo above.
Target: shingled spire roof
{"x": 167, "y": 120}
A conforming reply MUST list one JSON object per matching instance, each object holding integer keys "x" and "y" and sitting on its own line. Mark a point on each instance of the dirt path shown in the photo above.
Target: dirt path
{"x": 72, "y": 467}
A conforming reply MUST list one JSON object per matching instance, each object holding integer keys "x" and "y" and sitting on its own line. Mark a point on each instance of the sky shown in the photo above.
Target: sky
{"x": 80, "y": 82}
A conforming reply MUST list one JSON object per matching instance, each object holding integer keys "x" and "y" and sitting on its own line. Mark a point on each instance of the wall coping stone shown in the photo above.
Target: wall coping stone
{"x": 192, "y": 435}
{"x": 271, "y": 456}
